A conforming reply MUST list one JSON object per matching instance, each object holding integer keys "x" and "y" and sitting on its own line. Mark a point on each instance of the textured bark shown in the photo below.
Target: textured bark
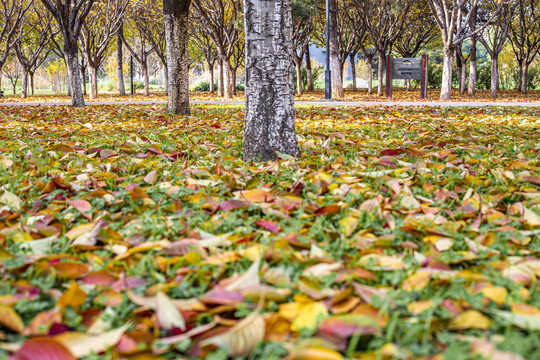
{"x": 233, "y": 79}
{"x": 144, "y": 68}
{"x": 24, "y": 83}
{"x": 353, "y": 71}
{"x": 31, "y": 83}
{"x": 472, "y": 67}
{"x": 83, "y": 78}
{"x": 459, "y": 69}
{"x": 380, "y": 75}
{"x": 298, "y": 66}
{"x": 211, "y": 69}
{"x": 525, "y": 77}
{"x": 176, "y": 29}
{"x": 221, "y": 79}
{"x": 74, "y": 76}
{"x": 227, "y": 88}
{"x": 310, "y": 86}
{"x": 494, "y": 77}
{"x": 269, "y": 119}
{"x": 446, "y": 89}
{"x": 369, "y": 62}
{"x": 520, "y": 74}
{"x": 93, "y": 82}
{"x": 120, "y": 64}
{"x": 337, "y": 85}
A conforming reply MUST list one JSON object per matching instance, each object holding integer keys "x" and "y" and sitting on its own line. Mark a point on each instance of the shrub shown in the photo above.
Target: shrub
{"x": 434, "y": 76}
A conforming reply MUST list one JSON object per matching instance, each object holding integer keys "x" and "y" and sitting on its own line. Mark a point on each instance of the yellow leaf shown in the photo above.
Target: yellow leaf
{"x": 314, "y": 353}
{"x": 419, "y": 307}
{"x": 74, "y": 297}
{"x": 10, "y": 319}
{"x": 497, "y": 294}
{"x": 348, "y": 224}
{"x": 530, "y": 218}
{"x": 257, "y": 196}
{"x": 471, "y": 319}
{"x": 417, "y": 281}
{"x": 303, "y": 314}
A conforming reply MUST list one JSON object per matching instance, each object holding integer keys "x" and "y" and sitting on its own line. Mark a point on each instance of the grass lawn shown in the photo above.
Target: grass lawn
{"x": 400, "y": 233}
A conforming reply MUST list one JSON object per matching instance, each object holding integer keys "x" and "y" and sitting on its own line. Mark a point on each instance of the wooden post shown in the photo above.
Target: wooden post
{"x": 424, "y": 87}
{"x": 389, "y": 71}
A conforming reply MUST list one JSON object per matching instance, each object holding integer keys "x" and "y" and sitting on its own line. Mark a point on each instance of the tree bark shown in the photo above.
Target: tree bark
{"x": 494, "y": 75}
{"x": 211, "y": 69}
{"x": 31, "y": 83}
{"x": 380, "y": 75}
{"x": 120, "y": 63}
{"x": 269, "y": 120}
{"x": 233, "y": 79}
{"x": 227, "y": 79}
{"x": 369, "y": 62}
{"x": 74, "y": 75}
{"x": 144, "y": 69}
{"x": 298, "y": 65}
{"x": 176, "y": 30}
{"x": 221, "y": 80}
{"x": 520, "y": 74}
{"x": 459, "y": 69}
{"x": 472, "y": 67}
{"x": 24, "y": 84}
{"x": 353, "y": 71}
{"x": 93, "y": 82}
{"x": 337, "y": 86}
{"x": 310, "y": 86}
{"x": 446, "y": 86}
{"x": 525, "y": 77}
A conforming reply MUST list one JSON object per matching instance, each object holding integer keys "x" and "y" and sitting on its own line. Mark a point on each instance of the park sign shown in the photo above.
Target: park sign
{"x": 407, "y": 69}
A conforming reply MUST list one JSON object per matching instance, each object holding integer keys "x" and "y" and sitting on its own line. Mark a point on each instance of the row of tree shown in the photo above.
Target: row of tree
{"x": 84, "y": 32}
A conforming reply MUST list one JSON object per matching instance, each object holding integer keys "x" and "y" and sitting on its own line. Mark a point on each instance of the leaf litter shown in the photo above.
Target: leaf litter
{"x": 400, "y": 233}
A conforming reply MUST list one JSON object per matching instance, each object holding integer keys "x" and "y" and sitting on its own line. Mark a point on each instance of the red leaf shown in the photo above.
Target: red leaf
{"x": 82, "y": 206}
{"x": 43, "y": 349}
{"x": 392, "y": 152}
{"x": 233, "y": 204}
{"x": 328, "y": 210}
{"x": 268, "y": 225}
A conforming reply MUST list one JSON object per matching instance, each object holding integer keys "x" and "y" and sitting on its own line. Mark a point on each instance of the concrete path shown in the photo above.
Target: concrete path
{"x": 300, "y": 103}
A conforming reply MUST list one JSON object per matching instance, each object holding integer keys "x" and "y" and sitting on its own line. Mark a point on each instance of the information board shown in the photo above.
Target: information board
{"x": 407, "y": 69}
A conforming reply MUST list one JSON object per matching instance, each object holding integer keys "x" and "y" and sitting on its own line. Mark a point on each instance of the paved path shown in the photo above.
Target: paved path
{"x": 305, "y": 103}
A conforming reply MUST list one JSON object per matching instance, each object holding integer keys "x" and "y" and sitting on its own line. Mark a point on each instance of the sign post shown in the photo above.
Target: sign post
{"x": 407, "y": 69}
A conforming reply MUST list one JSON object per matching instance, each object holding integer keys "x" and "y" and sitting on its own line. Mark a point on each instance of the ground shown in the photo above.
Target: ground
{"x": 360, "y": 95}
{"x": 400, "y": 233}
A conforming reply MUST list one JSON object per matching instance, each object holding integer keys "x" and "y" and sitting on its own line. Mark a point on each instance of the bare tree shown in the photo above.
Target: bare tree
{"x": 208, "y": 48}
{"x": 384, "y": 21}
{"x": 525, "y": 37}
{"x": 13, "y": 14}
{"x": 220, "y": 18}
{"x": 70, "y": 16}
{"x": 30, "y": 49}
{"x": 13, "y": 72}
{"x": 176, "y": 15}
{"x": 453, "y": 18}
{"x": 494, "y": 40}
{"x": 269, "y": 121}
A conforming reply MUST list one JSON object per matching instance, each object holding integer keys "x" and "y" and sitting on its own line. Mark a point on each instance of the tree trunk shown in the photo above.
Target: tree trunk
{"x": 337, "y": 85}
{"x": 227, "y": 79}
{"x": 166, "y": 78}
{"x": 353, "y": 71}
{"x": 369, "y": 61}
{"x": 494, "y": 75}
{"x": 298, "y": 65}
{"x": 176, "y": 30}
{"x": 24, "y": 84}
{"x": 380, "y": 76}
{"x": 14, "y": 85}
{"x": 310, "y": 86}
{"x": 144, "y": 68}
{"x": 221, "y": 87}
{"x": 472, "y": 67}
{"x": 525, "y": 77}
{"x": 463, "y": 80}
{"x": 269, "y": 120}
{"x": 446, "y": 86}
{"x": 93, "y": 82}
{"x": 74, "y": 76}
{"x": 31, "y": 83}
{"x": 83, "y": 80}
{"x": 233, "y": 79}
{"x": 120, "y": 64}
{"x": 520, "y": 74}
{"x": 211, "y": 69}
{"x": 459, "y": 69}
